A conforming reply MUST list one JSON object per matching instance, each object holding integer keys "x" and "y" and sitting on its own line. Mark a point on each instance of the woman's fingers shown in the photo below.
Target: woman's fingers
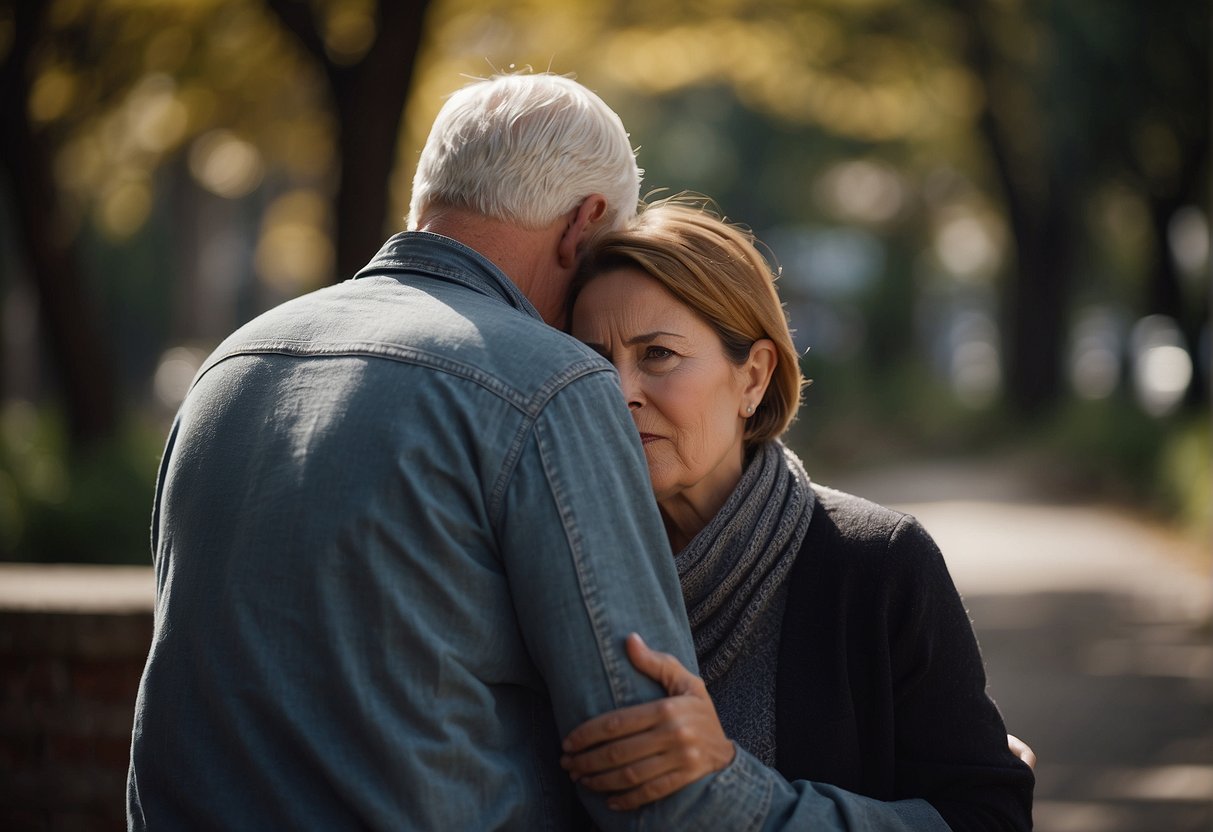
{"x": 613, "y": 725}
{"x": 654, "y": 789}
{"x": 663, "y": 668}
{"x": 613, "y": 755}
{"x": 635, "y": 773}
{"x": 646, "y": 752}
{"x": 644, "y": 781}
{"x": 1021, "y": 750}
{"x": 621, "y": 737}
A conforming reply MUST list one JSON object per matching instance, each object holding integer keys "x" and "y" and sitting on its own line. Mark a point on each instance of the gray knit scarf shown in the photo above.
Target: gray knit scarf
{"x": 733, "y": 582}
{"x": 732, "y": 570}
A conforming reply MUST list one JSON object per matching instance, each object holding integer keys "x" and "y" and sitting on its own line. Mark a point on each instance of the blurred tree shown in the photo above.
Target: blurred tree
{"x": 1066, "y": 97}
{"x": 1038, "y": 159}
{"x": 96, "y": 98}
{"x": 1160, "y": 124}
{"x": 71, "y": 321}
{"x": 1078, "y": 96}
{"x": 190, "y": 163}
{"x": 368, "y": 61}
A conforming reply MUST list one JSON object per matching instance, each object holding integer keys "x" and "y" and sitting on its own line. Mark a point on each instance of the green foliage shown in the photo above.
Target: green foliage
{"x": 1185, "y": 482}
{"x": 58, "y": 509}
{"x": 1111, "y": 450}
{"x": 871, "y": 418}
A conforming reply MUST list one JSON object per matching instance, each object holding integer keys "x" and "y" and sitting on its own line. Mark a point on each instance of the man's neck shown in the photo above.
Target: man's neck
{"x": 526, "y": 256}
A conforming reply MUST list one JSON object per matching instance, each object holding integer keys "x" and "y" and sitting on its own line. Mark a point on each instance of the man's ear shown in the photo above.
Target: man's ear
{"x": 579, "y": 222}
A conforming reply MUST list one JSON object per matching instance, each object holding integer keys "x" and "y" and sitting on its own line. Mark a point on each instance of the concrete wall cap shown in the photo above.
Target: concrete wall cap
{"x": 76, "y": 588}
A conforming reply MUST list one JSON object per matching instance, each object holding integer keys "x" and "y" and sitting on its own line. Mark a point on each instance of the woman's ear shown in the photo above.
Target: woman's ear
{"x": 756, "y": 374}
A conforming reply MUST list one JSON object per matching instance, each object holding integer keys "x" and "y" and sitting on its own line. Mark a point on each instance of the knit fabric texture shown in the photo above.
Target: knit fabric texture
{"x": 733, "y": 576}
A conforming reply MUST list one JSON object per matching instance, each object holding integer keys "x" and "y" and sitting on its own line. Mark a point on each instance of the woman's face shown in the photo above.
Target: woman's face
{"x": 687, "y": 398}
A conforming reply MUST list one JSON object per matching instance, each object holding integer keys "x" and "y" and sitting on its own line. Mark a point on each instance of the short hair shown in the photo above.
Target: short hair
{"x": 714, "y": 268}
{"x": 526, "y": 149}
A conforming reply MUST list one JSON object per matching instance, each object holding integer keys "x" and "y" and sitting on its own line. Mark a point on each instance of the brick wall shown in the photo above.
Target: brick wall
{"x": 72, "y": 645}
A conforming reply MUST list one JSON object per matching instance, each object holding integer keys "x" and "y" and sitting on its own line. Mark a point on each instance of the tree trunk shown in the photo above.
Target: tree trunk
{"x": 1035, "y": 314}
{"x": 368, "y": 99}
{"x": 70, "y": 321}
{"x": 1038, "y": 195}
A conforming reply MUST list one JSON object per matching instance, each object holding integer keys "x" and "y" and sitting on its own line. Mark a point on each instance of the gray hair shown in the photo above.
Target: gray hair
{"x": 526, "y": 149}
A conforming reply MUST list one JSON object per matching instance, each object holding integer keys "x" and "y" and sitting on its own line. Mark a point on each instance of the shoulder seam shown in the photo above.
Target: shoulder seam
{"x": 531, "y": 404}
{"x": 528, "y": 426}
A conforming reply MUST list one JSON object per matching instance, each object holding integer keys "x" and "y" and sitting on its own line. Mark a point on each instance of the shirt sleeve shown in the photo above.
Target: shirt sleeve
{"x": 588, "y": 562}
{"x": 803, "y": 806}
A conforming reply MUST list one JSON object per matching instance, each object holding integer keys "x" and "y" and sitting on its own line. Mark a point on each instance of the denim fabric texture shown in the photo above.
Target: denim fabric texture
{"x": 402, "y": 528}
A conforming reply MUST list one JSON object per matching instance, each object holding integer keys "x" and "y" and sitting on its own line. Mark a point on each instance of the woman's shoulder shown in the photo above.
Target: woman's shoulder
{"x": 856, "y": 517}
{"x": 855, "y": 532}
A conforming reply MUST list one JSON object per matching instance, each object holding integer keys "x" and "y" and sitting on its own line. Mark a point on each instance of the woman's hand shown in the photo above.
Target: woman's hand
{"x": 646, "y": 752}
{"x": 1021, "y": 750}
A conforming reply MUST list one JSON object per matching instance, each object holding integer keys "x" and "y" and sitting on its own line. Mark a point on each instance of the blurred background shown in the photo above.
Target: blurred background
{"x": 991, "y": 220}
{"x": 991, "y": 217}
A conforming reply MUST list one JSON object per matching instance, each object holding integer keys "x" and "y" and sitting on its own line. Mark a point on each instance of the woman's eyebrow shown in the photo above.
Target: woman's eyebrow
{"x": 647, "y": 337}
{"x": 643, "y": 338}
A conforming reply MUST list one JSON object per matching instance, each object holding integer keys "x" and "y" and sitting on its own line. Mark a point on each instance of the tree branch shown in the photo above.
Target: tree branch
{"x": 300, "y": 19}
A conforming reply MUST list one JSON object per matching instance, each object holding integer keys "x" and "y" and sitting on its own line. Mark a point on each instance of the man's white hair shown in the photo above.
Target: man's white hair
{"x": 526, "y": 149}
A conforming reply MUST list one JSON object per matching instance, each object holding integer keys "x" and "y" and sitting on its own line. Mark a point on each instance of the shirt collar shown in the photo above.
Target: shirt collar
{"x": 423, "y": 252}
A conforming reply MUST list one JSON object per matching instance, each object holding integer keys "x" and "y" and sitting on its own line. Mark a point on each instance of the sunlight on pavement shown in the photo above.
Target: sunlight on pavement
{"x": 1161, "y": 783}
{"x": 1078, "y": 816}
{"x": 999, "y": 547}
{"x": 1128, "y": 799}
{"x": 1072, "y": 816}
{"x": 1123, "y": 657}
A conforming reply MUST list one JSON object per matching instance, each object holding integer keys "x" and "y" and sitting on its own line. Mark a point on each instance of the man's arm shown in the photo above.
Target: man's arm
{"x": 588, "y": 561}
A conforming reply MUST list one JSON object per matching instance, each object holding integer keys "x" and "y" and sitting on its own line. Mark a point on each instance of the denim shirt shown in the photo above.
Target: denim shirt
{"x": 401, "y": 530}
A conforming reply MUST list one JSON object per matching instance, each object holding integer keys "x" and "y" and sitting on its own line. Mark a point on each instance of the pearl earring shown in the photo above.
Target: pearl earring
{"x": 749, "y": 409}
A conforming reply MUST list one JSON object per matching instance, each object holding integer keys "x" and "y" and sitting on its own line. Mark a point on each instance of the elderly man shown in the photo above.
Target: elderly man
{"x": 403, "y": 525}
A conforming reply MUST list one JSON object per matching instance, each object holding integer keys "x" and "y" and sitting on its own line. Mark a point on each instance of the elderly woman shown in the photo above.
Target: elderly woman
{"x": 828, "y": 631}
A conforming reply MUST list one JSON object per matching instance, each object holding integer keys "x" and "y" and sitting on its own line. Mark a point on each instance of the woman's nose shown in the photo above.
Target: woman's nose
{"x": 632, "y": 393}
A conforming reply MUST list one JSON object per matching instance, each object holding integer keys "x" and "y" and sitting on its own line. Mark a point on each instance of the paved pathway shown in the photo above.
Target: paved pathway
{"x": 1095, "y": 627}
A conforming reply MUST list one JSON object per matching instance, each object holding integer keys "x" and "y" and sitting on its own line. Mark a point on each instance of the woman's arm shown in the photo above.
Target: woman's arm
{"x": 789, "y": 806}
{"x": 649, "y": 751}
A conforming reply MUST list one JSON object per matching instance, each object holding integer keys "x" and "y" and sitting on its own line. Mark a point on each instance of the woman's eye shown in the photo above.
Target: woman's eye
{"x": 658, "y": 354}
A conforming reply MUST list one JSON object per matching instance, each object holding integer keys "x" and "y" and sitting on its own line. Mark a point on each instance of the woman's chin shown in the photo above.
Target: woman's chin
{"x": 663, "y": 491}
{"x": 658, "y": 492}
{"x": 665, "y": 476}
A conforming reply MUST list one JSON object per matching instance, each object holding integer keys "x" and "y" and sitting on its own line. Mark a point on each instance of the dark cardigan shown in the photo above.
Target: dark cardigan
{"x": 880, "y": 688}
